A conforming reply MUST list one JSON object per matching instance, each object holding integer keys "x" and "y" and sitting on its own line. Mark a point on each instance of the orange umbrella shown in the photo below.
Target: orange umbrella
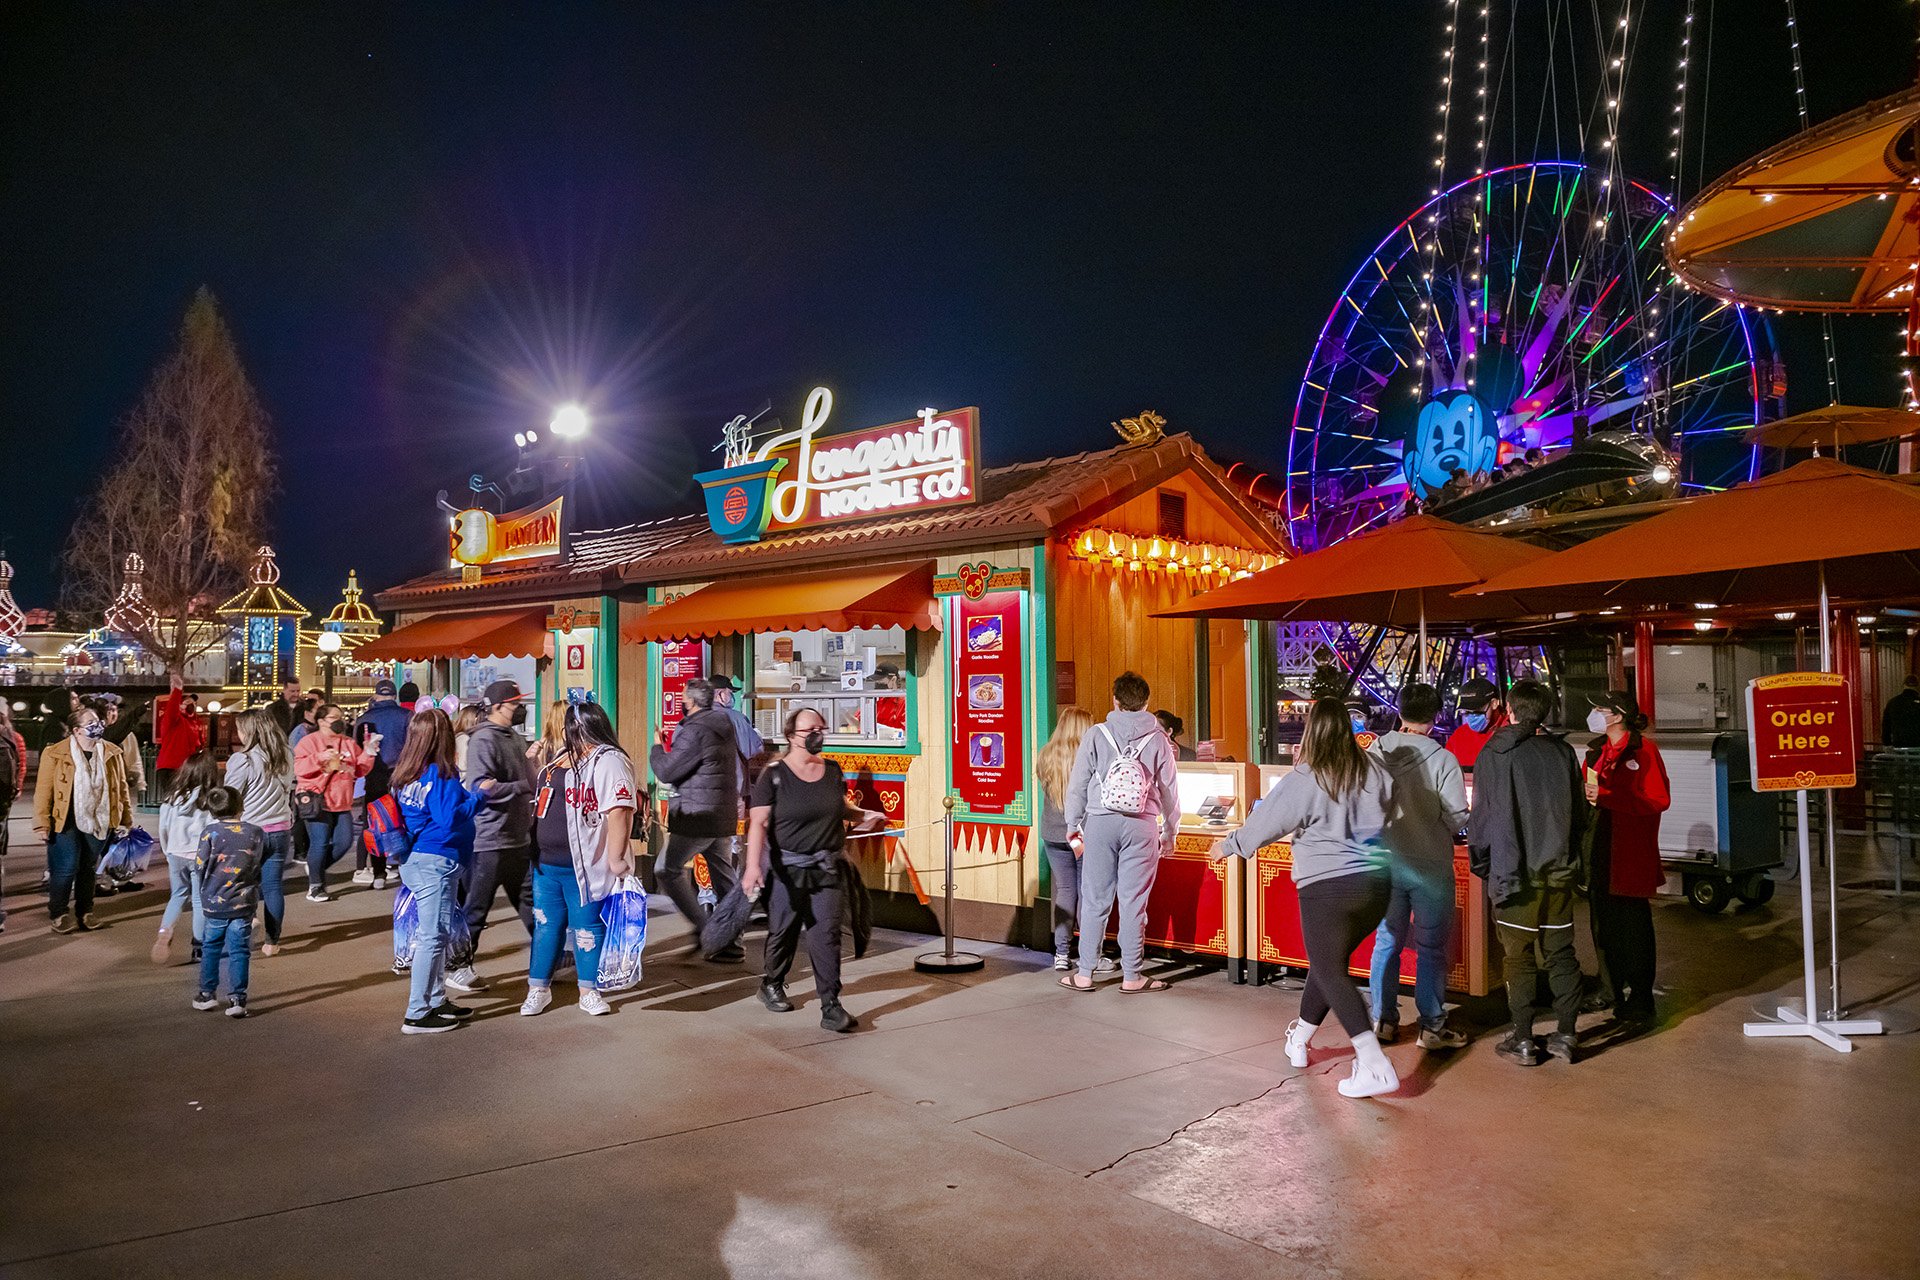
{"x": 1788, "y": 539}
{"x": 1837, "y": 426}
{"x": 1404, "y": 574}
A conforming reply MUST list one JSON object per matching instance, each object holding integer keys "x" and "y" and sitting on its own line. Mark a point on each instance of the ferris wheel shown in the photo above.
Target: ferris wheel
{"x": 1519, "y": 310}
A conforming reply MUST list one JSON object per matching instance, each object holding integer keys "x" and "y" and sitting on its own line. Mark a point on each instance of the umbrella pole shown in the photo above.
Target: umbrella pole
{"x": 1420, "y": 659}
{"x": 1826, "y": 812}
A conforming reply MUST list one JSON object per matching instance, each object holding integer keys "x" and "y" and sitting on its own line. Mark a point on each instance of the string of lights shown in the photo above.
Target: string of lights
{"x": 1800, "y": 101}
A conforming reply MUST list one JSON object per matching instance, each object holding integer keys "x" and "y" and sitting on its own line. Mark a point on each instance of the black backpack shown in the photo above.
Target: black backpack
{"x": 9, "y": 770}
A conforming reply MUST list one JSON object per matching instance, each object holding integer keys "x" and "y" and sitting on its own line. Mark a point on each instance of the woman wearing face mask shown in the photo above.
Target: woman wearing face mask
{"x": 80, "y": 803}
{"x": 1627, "y": 780}
{"x": 797, "y": 821}
{"x": 325, "y": 763}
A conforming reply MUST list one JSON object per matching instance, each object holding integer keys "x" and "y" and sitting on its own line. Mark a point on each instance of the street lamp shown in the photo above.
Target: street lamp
{"x": 569, "y": 422}
{"x": 328, "y": 643}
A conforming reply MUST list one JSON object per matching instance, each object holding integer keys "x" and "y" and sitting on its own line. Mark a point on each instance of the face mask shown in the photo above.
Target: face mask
{"x": 519, "y": 713}
{"x": 814, "y": 740}
{"x": 1476, "y": 721}
{"x": 95, "y": 730}
{"x": 336, "y": 726}
{"x": 1597, "y": 720}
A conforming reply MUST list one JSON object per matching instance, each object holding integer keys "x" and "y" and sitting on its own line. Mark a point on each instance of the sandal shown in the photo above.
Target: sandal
{"x": 1071, "y": 985}
{"x": 1151, "y": 984}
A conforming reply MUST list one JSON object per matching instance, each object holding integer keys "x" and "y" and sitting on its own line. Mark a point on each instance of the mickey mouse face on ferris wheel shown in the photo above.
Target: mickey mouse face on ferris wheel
{"x": 1454, "y": 432}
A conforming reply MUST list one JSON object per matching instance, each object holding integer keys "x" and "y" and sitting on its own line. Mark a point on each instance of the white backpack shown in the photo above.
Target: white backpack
{"x": 1123, "y": 788}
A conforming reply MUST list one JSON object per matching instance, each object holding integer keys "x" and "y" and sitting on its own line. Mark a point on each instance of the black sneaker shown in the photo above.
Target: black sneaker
{"x": 1442, "y": 1037}
{"x": 459, "y": 1012}
{"x": 726, "y": 955}
{"x": 1386, "y": 1032}
{"x": 205, "y": 1001}
{"x": 238, "y": 1009}
{"x": 1518, "y": 1049}
{"x": 433, "y": 1020}
{"x": 774, "y": 996}
{"x": 1564, "y": 1046}
{"x": 835, "y": 1018}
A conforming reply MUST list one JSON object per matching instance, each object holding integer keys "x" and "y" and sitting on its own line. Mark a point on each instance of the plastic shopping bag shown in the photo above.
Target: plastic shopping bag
{"x": 625, "y": 915}
{"x": 129, "y": 855}
{"x": 406, "y": 923}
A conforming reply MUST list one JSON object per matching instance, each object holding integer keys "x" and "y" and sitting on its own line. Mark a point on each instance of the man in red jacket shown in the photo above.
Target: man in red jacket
{"x": 177, "y": 732}
{"x": 1482, "y": 715}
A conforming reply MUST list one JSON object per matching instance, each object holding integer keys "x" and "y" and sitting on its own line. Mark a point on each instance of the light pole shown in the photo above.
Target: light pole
{"x": 328, "y": 642}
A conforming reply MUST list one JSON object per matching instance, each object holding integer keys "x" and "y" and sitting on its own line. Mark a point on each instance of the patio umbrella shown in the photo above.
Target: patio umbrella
{"x": 1837, "y": 426}
{"x": 1404, "y": 574}
{"x": 1825, "y": 221}
{"x": 1789, "y": 539}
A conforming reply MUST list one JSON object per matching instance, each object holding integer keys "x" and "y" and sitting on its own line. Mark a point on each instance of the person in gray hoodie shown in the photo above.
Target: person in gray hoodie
{"x": 503, "y": 831}
{"x": 1335, "y": 805}
{"x": 1429, "y": 809}
{"x": 1121, "y": 848}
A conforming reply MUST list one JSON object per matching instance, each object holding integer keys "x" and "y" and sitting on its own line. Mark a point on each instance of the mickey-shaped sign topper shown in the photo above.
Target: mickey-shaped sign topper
{"x": 974, "y": 579}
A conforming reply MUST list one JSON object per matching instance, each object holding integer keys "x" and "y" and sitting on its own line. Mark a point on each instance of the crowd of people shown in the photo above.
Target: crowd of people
{"x": 1372, "y": 831}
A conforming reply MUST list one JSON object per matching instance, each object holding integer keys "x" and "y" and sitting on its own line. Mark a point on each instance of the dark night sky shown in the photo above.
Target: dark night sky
{"x": 428, "y": 223}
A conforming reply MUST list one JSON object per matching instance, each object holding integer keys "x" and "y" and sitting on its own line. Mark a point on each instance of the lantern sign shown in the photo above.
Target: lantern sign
{"x": 1800, "y": 731}
{"x": 480, "y": 537}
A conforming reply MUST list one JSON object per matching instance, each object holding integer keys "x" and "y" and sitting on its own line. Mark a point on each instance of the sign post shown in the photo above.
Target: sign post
{"x": 1800, "y": 736}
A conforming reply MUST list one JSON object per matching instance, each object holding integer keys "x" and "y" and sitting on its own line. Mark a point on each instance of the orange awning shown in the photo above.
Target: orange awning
{"x": 513, "y": 633}
{"x": 893, "y": 596}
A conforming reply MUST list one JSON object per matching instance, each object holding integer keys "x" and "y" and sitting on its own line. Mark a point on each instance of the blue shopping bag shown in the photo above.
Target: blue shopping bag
{"x": 625, "y": 915}
{"x": 406, "y": 923}
{"x": 129, "y": 855}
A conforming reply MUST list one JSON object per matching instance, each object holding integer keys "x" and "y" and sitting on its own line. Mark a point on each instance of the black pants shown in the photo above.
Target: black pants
{"x": 490, "y": 870}
{"x": 818, "y": 912}
{"x": 1623, "y": 935}
{"x": 1541, "y": 918}
{"x": 1335, "y": 917}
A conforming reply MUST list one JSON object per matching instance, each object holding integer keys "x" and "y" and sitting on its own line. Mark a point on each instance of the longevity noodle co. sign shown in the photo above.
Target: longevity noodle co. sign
{"x": 797, "y": 479}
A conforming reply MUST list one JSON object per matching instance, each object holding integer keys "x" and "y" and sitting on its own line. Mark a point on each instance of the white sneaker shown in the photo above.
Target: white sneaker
{"x": 1061, "y": 964}
{"x": 1299, "y": 1035}
{"x": 538, "y": 998}
{"x": 379, "y": 882}
{"x": 363, "y": 876}
{"x": 1106, "y": 964}
{"x": 1365, "y": 1083}
{"x": 465, "y": 980}
{"x": 319, "y": 895}
{"x": 592, "y": 1002}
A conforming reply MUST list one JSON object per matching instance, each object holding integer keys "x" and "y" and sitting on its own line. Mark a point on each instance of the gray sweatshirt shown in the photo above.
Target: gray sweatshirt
{"x": 1429, "y": 798}
{"x": 1156, "y": 757}
{"x": 1330, "y": 838}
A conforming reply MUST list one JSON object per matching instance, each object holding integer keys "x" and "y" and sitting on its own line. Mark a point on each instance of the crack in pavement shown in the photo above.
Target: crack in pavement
{"x": 1325, "y": 1069}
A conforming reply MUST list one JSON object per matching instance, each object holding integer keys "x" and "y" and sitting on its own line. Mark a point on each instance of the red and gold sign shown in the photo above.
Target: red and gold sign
{"x": 680, "y": 661}
{"x": 922, "y": 464}
{"x": 480, "y": 537}
{"x": 1800, "y": 731}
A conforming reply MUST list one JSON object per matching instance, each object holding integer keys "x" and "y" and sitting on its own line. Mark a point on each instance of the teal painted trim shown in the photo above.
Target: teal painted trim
{"x": 1259, "y": 705}
{"x": 1046, "y": 709}
{"x": 607, "y": 658}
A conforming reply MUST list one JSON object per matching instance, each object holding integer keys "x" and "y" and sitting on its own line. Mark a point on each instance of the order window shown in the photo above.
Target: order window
{"x": 856, "y": 680}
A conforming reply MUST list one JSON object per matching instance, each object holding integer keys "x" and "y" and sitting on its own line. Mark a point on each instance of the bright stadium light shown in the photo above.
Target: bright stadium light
{"x": 569, "y": 422}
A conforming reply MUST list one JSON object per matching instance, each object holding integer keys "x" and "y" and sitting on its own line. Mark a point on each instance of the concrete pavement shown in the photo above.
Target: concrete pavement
{"x": 990, "y": 1124}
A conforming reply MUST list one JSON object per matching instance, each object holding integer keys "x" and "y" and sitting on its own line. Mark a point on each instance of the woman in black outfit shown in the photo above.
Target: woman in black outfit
{"x": 797, "y": 821}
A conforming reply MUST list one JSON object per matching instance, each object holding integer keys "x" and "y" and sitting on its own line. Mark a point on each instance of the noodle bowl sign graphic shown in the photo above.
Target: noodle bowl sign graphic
{"x": 798, "y": 479}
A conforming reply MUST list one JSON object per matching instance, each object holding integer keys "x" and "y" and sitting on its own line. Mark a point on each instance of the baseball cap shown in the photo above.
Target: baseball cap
{"x": 383, "y": 689}
{"x": 1475, "y": 694}
{"x": 500, "y": 692}
{"x": 1620, "y": 702}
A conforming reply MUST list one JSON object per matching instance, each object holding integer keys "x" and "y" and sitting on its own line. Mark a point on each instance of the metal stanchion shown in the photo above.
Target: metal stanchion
{"x": 947, "y": 960}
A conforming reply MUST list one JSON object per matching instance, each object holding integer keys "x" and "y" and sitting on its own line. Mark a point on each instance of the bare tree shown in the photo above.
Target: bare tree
{"x": 187, "y": 490}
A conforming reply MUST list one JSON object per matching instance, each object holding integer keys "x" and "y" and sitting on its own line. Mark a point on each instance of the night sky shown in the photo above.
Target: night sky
{"x": 430, "y": 223}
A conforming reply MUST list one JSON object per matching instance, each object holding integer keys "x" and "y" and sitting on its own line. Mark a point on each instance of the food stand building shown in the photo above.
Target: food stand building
{"x": 936, "y": 611}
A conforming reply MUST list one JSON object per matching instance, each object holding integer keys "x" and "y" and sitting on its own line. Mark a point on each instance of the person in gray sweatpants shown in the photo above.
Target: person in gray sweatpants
{"x": 1121, "y": 852}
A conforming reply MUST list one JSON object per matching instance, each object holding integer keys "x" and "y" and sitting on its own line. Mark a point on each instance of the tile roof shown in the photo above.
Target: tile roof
{"x": 1027, "y": 500}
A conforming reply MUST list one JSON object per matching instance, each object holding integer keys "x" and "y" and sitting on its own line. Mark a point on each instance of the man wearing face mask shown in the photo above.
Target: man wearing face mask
{"x": 503, "y": 850}
{"x": 703, "y": 767}
{"x": 1482, "y": 715}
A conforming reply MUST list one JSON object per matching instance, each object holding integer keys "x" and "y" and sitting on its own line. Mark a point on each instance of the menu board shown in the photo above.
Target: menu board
{"x": 987, "y": 748}
{"x": 680, "y": 661}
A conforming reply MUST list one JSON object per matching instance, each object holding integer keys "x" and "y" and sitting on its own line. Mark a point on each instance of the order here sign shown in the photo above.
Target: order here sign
{"x": 1800, "y": 731}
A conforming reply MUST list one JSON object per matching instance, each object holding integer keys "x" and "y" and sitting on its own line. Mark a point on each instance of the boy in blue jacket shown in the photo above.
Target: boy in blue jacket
{"x": 227, "y": 865}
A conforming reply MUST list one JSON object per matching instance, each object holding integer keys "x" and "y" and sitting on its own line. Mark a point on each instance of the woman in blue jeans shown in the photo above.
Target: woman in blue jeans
{"x": 581, "y": 826}
{"x": 439, "y": 815}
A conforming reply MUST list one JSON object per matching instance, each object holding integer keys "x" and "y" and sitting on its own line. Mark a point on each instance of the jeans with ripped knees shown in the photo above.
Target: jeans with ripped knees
{"x": 557, "y": 907}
